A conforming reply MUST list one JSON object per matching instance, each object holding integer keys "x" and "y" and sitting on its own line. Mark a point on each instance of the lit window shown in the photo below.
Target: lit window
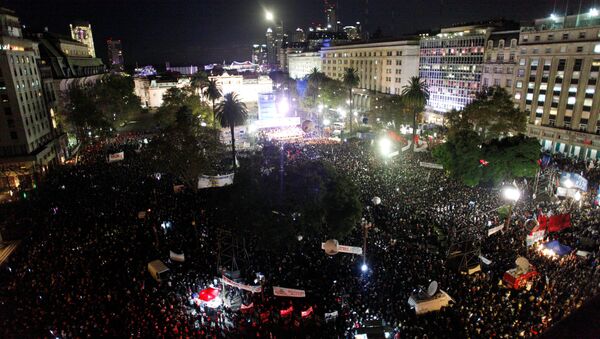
{"x": 571, "y": 101}
{"x": 597, "y": 48}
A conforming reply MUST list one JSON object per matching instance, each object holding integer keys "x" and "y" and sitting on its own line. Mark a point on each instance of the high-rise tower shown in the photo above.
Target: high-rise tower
{"x": 82, "y": 32}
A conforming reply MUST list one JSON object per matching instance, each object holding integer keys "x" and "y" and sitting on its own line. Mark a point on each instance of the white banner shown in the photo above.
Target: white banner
{"x": 177, "y": 257}
{"x": 116, "y": 157}
{"x": 331, "y": 316}
{"x": 485, "y": 260}
{"x": 288, "y": 292}
{"x": 253, "y": 289}
{"x": 430, "y": 165}
{"x": 346, "y": 249}
{"x": 495, "y": 229}
{"x": 535, "y": 237}
{"x": 207, "y": 181}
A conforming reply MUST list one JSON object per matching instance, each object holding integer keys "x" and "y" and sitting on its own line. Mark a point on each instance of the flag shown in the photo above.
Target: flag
{"x": 483, "y": 162}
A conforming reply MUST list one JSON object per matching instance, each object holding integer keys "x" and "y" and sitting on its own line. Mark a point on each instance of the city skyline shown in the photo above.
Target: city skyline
{"x": 229, "y": 31}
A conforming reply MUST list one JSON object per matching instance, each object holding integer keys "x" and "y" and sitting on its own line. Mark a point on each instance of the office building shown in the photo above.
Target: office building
{"x": 82, "y": 32}
{"x": 259, "y": 55}
{"x": 557, "y": 82}
{"x": 183, "y": 70}
{"x": 27, "y": 141}
{"x": 115, "y": 55}
{"x": 298, "y": 36}
{"x": 302, "y": 64}
{"x": 352, "y": 32}
{"x": 500, "y": 60}
{"x": 383, "y": 67}
{"x": 332, "y": 23}
{"x": 451, "y": 64}
{"x": 275, "y": 38}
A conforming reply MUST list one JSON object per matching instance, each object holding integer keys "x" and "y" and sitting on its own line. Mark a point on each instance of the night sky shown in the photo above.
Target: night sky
{"x": 202, "y": 31}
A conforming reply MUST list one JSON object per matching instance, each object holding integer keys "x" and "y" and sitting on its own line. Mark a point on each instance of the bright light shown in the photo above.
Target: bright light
{"x": 283, "y": 107}
{"x": 326, "y": 122}
{"x": 385, "y": 146}
{"x": 577, "y": 196}
{"x": 364, "y": 267}
{"x": 341, "y": 111}
{"x": 321, "y": 107}
{"x": 594, "y": 12}
{"x": 554, "y": 17}
{"x": 511, "y": 193}
{"x": 568, "y": 183}
{"x": 269, "y": 16}
{"x": 203, "y": 124}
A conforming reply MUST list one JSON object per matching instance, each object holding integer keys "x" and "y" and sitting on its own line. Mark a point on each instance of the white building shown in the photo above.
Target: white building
{"x": 302, "y": 64}
{"x": 82, "y": 32}
{"x": 383, "y": 67}
{"x": 151, "y": 91}
{"x": 26, "y": 135}
{"x": 246, "y": 88}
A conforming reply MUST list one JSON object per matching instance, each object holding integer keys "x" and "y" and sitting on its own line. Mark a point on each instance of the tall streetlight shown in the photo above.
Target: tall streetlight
{"x": 512, "y": 194}
{"x": 366, "y": 225}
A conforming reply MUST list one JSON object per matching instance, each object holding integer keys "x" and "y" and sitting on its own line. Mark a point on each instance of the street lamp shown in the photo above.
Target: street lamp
{"x": 512, "y": 194}
{"x": 269, "y": 16}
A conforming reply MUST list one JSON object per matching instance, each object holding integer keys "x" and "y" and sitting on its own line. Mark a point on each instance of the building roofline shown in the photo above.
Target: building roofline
{"x": 403, "y": 42}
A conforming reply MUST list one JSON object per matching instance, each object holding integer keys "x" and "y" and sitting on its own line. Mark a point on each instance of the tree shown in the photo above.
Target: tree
{"x": 231, "y": 112}
{"x": 213, "y": 93}
{"x": 465, "y": 157}
{"x": 492, "y": 114}
{"x": 315, "y": 80}
{"x": 415, "y": 96}
{"x": 390, "y": 109}
{"x": 350, "y": 80}
{"x": 175, "y": 99}
{"x": 81, "y": 112}
{"x": 199, "y": 81}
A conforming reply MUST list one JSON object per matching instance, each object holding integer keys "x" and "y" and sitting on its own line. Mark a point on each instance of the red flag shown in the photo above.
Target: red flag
{"x": 559, "y": 222}
{"x": 483, "y": 162}
{"x": 543, "y": 221}
{"x": 307, "y": 312}
{"x": 288, "y": 312}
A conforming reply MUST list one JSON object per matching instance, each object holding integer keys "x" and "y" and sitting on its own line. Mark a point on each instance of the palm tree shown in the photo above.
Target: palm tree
{"x": 350, "y": 80}
{"x": 198, "y": 82}
{"x": 231, "y": 112}
{"x": 213, "y": 93}
{"x": 415, "y": 96}
{"x": 315, "y": 79}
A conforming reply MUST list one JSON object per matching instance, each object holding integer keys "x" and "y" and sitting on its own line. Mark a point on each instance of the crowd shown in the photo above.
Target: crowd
{"x": 83, "y": 271}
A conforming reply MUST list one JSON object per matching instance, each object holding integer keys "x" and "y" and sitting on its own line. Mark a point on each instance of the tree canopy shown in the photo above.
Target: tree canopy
{"x": 175, "y": 99}
{"x": 492, "y": 114}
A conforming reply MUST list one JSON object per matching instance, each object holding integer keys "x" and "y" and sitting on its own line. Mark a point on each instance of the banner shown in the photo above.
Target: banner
{"x": 116, "y": 157}
{"x": 534, "y": 237}
{"x": 346, "y": 249}
{"x": 569, "y": 180}
{"x": 559, "y": 222}
{"x": 207, "y": 181}
{"x": 331, "y": 316}
{"x": 288, "y": 292}
{"x": 177, "y": 257}
{"x": 308, "y": 312}
{"x": 485, "y": 260}
{"x": 430, "y": 165}
{"x": 287, "y": 312}
{"x": 253, "y": 289}
{"x": 495, "y": 229}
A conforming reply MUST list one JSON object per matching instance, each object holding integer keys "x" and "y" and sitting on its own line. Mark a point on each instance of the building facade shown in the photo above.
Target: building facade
{"x": 383, "y": 67}
{"x": 451, "y": 64}
{"x": 27, "y": 141}
{"x": 259, "y": 55}
{"x": 557, "y": 82}
{"x": 151, "y": 91}
{"x": 116, "y": 61}
{"x": 302, "y": 64}
{"x": 82, "y": 32}
{"x": 500, "y": 60}
{"x": 275, "y": 38}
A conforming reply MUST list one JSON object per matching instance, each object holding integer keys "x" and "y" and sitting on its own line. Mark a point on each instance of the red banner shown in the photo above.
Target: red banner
{"x": 307, "y": 312}
{"x": 288, "y": 312}
{"x": 559, "y": 222}
{"x": 554, "y": 223}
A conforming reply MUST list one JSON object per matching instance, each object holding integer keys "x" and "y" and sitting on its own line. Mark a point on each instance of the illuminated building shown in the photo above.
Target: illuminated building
{"x": 298, "y": 35}
{"x": 287, "y": 50}
{"x": 500, "y": 60}
{"x": 151, "y": 90}
{"x": 302, "y": 64}
{"x": 275, "y": 40}
{"x": 115, "y": 55}
{"x": 557, "y": 82}
{"x": 352, "y": 32}
{"x": 27, "y": 141}
{"x": 82, "y": 32}
{"x": 183, "y": 70}
{"x": 259, "y": 55}
{"x": 383, "y": 67}
{"x": 331, "y": 17}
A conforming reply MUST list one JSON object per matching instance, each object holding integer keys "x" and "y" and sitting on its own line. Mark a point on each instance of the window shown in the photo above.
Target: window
{"x": 536, "y": 38}
{"x": 525, "y": 38}
{"x": 519, "y": 84}
{"x": 501, "y": 44}
{"x": 563, "y": 49}
{"x": 518, "y": 96}
{"x": 513, "y": 43}
{"x": 579, "y": 49}
{"x": 597, "y": 48}
{"x": 508, "y": 82}
{"x": 581, "y": 35}
{"x": 548, "y": 50}
{"x": 496, "y": 82}
{"x": 13, "y": 135}
{"x": 565, "y": 36}
{"x": 490, "y": 44}
{"x": 550, "y": 37}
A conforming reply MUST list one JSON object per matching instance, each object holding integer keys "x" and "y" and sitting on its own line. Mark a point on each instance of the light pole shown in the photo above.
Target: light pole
{"x": 512, "y": 194}
{"x": 366, "y": 225}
